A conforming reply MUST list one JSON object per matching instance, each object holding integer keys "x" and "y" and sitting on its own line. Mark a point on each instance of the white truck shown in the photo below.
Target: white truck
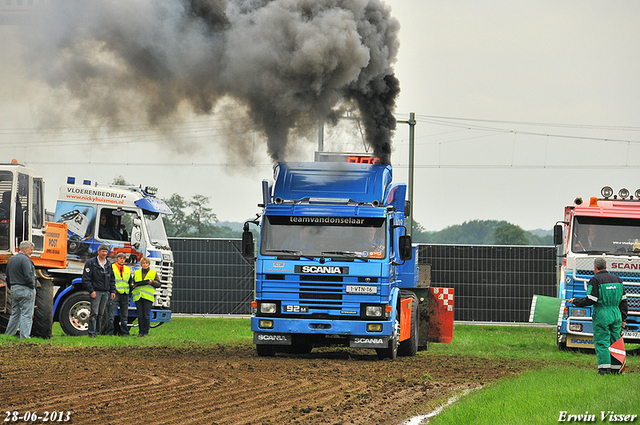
{"x": 129, "y": 220}
{"x": 607, "y": 227}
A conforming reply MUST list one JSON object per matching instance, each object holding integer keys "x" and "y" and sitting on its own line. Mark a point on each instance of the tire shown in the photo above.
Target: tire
{"x": 391, "y": 352}
{"x": 409, "y": 347}
{"x": 43, "y": 311}
{"x": 5, "y": 304}
{"x": 265, "y": 350}
{"x": 74, "y": 314}
{"x": 4, "y": 321}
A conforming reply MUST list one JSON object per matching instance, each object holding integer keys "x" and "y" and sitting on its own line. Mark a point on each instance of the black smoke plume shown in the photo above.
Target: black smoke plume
{"x": 283, "y": 61}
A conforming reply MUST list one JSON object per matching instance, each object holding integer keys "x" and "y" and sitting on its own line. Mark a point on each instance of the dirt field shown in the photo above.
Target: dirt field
{"x": 224, "y": 385}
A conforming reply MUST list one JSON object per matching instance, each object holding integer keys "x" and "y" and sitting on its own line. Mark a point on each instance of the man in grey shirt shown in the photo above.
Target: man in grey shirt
{"x": 21, "y": 279}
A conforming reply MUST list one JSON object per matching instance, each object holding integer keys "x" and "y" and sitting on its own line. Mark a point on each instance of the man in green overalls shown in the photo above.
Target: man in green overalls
{"x": 606, "y": 293}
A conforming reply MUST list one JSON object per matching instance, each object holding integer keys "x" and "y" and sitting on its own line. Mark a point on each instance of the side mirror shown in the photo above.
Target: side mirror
{"x": 136, "y": 233}
{"x": 557, "y": 234}
{"x": 248, "y": 247}
{"x": 407, "y": 208}
{"x": 404, "y": 247}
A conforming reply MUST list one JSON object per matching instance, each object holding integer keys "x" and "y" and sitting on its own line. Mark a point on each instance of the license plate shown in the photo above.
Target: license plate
{"x": 631, "y": 334}
{"x": 361, "y": 289}
{"x": 296, "y": 309}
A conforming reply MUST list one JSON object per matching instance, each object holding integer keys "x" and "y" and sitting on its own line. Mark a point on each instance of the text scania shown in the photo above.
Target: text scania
{"x": 630, "y": 266}
{"x": 93, "y": 192}
{"x": 322, "y": 269}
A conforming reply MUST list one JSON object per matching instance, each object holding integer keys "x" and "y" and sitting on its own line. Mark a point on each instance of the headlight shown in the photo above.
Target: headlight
{"x": 373, "y": 311}
{"x": 265, "y": 324}
{"x": 606, "y": 192}
{"x": 268, "y": 308}
{"x": 575, "y": 327}
{"x": 623, "y": 193}
{"x": 579, "y": 312}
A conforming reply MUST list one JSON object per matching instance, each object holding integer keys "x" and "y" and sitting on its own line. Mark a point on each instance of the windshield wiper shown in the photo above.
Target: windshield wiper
{"x": 289, "y": 252}
{"x": 350, "y": 254}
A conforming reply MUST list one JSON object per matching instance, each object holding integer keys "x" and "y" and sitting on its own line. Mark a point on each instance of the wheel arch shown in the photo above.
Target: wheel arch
{"x": 63, "y": 294}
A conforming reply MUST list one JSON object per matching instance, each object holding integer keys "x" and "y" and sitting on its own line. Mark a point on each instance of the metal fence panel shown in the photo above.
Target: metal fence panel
{"x": 210, "y": 277}
{"x": 492, "y": 283}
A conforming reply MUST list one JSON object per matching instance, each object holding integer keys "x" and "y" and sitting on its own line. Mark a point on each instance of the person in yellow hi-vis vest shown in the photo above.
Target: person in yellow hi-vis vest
{"x": 123, "y": 276}
{"x": 145, "y": 282}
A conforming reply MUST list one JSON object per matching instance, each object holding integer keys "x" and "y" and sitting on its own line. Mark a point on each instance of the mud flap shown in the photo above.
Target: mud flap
{"x": 440, "y": 314}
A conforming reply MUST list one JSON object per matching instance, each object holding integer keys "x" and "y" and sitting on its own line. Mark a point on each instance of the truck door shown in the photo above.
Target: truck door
{"x": 6, "y": 189}
{"x": 37, "y": 215}
{"x": 22, "y": 209}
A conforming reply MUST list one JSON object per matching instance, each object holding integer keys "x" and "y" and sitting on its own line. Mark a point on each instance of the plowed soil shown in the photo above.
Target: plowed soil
{"x": 232, "y": 385}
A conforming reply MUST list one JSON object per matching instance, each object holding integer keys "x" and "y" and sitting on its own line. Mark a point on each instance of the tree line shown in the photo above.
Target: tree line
{"x": 195, "y": 218}
{"x": 481, "y": 232}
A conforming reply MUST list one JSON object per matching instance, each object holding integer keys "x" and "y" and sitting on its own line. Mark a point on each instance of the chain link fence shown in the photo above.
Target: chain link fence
{"x": 492, "y": 283}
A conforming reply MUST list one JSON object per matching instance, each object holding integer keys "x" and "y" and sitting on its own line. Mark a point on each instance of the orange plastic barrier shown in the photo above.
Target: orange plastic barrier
{"x": 440, "y": 314}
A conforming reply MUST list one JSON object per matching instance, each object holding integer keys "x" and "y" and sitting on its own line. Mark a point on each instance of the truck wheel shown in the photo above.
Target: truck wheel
{"x": 409, "y": 347}
{"x": 265, "y": 350}
{"x": 4, "y": 321}
{"x": 5, "y": 304}
{"x": 74, "y": 314}
{"x": 43, "y": 311}
{"x": 391, "y": 352}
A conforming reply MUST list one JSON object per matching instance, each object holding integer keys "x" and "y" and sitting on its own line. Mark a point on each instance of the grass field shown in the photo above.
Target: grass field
{"x": 562, "y": 381}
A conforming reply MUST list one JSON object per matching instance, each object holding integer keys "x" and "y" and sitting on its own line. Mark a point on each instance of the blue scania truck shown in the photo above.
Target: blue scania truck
{"x": 335, "y": 265}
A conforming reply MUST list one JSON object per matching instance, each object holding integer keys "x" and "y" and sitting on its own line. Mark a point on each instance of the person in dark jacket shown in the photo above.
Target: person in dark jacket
{"x": 21, "y": 280}
{"x": 99, "y": 280}
{"x": 606, "y": 293}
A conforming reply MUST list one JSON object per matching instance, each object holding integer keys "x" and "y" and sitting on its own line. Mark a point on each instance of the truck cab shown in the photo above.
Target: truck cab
{"x": 126, "y": 218}
{"x": 607, "y": 227}
{"x": 334, "y": 264}
{"x": 22, "y": 217}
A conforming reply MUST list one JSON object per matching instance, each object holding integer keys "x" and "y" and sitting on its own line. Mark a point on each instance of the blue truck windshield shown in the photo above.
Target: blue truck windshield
{"x": 293, "y": 236}
{"x": 606, "y": 235}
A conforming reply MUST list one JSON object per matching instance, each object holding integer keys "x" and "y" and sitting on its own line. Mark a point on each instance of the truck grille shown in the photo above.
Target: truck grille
{"x": 321, "y": 294}
{"x": 165, "y": 274}
{"x": 632, "y": 289}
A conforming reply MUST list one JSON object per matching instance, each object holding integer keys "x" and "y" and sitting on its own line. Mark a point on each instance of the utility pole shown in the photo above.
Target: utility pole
{"x": 412, "y": 125}
{"x": 321, "y": 134}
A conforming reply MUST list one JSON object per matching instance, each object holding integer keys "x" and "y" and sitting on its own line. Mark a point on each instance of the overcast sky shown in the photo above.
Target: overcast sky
{"x": 521, "y": 106}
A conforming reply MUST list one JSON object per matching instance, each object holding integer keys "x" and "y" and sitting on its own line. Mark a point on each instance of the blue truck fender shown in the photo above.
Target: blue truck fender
{"x": 62, "y": 294}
